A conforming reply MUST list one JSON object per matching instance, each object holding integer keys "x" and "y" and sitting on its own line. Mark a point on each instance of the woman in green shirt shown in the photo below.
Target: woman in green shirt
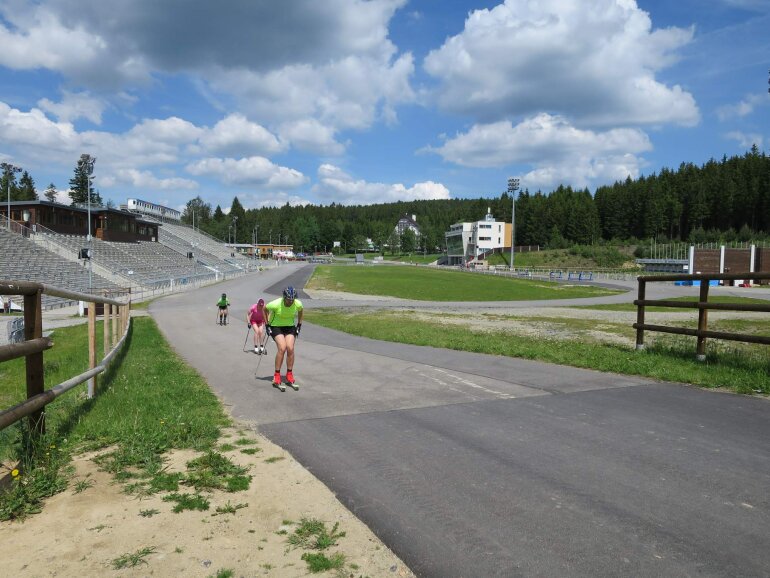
{"x": 281, "y": 313}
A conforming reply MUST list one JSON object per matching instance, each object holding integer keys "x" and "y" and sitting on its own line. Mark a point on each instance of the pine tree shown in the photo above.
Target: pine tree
{"x": 50, "y": 193}
{"x": 80, "y": 183}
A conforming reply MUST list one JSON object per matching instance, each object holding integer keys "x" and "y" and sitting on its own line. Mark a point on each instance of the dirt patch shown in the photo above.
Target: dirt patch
{"x": 82, "y": 534}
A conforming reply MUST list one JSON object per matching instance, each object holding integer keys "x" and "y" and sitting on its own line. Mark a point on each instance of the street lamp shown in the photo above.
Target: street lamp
{"x": 10, "y": 169}
{"x": 513, "y": 186}
{"x": 235, "y": 229}
{"x": 88, "y": 165}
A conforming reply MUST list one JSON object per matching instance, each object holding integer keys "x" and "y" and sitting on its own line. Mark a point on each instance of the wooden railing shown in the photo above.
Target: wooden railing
{"x": 116, "y": 323}
{"x": 702, "y": 305}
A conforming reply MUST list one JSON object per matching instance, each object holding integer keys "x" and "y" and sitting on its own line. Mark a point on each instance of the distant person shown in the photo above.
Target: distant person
{"x": 6, "y": 306}
{"x": 257, "y": 320}
{"x": 284, "y": 331}
{"x": 223, "y": 304}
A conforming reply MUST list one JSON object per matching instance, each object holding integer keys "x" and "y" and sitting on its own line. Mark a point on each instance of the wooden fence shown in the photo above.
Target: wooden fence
{"x": 702, "y": 305}
{"x": 116, "y": 316}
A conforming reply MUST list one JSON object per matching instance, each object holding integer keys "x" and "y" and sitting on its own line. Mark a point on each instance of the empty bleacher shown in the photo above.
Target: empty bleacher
{"x": 23, "y": 260}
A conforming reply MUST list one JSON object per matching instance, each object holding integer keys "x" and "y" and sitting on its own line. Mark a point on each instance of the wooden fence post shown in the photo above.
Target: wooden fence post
{"x": 703, "y": 317}
{"x": 106, "y": 330}
{"x": 640, "y": 315}
{"x": 114, "y": 318}
{"x": 33, "y": 329}
{"x": 91, "y": 347}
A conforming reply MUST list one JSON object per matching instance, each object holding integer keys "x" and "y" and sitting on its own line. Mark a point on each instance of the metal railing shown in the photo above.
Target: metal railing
{"x": 702, "y": 305}
{"x": 116, "y": 316}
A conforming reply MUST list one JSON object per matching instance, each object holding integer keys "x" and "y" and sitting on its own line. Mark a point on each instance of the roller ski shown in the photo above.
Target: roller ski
{"x": 277, "y": 382}
{"x": 291, "y": 382}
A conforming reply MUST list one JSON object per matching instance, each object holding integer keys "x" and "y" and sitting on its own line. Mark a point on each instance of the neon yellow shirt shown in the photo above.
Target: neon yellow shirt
{"x": 280, "y": 315}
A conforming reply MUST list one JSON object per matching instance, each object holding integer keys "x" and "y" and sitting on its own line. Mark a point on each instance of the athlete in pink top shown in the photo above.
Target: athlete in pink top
{"x": 256, "y": 318}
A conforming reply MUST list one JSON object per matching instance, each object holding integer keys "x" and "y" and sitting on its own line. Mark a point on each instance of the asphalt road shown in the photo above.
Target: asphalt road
{"x": 474, "y": 465}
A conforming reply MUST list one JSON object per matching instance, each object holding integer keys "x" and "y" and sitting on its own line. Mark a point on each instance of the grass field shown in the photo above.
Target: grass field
{"x": 434, "y": 285}
{"x": 744, "y": 369}
{"x": 693, "y": 299}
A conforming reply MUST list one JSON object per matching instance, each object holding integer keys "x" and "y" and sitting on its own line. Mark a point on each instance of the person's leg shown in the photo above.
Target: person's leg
{"x": 290, "y": 360}
{"x": 226, "y": 315}
{"x": 290, "y": 352}
{"x": 257, "y": 335}
{"x": 280, "y": 346}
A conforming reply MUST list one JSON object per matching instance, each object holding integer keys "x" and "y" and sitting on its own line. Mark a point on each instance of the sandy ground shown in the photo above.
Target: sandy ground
{"x": 82, "y": 534}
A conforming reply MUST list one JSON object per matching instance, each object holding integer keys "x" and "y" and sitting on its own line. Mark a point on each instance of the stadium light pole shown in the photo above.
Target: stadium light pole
{"x": 513, "y": 186}
{"x": 11, "y": 169}
{"x": 89, "y": 161}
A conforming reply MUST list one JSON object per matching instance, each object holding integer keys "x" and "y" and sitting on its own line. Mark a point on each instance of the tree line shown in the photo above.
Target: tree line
{"x": 719, "y": 201}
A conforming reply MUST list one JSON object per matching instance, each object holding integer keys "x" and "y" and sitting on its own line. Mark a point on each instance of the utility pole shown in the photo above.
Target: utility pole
{"x": 88, "y": 162}
{"x": 513, "y": 186}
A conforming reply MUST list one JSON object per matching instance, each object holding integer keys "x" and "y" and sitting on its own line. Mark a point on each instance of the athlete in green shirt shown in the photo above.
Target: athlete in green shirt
{"x": 280, "y": 322}
{"x": 223, "y": 305}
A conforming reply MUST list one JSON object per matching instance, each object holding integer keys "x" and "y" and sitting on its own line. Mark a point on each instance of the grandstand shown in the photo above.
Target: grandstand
{"x": 131, "y": 258}
{"x": 21, "y": 259}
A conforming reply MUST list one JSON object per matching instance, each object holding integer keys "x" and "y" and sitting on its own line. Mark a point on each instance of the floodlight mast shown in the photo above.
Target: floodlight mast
{"x": 88, "y": 165}
{"x": 513, "y": 186}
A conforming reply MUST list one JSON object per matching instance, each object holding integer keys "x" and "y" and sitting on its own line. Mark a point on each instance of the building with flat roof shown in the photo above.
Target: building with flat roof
{"x": 106, "y": 224}
{"x": 467, "y": 242}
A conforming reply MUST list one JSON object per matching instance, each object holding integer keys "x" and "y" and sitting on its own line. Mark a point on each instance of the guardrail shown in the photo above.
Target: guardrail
{"x": 116, "y": 321}
{"x": 702, "y": 305}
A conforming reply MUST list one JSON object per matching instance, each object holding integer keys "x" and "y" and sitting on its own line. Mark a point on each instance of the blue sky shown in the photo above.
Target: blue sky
{"x": 360, "y": 102}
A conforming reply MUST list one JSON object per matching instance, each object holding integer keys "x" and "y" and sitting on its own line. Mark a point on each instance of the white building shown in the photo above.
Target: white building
{"x": 468, "y": 242}
{"x": 407, "y": 222}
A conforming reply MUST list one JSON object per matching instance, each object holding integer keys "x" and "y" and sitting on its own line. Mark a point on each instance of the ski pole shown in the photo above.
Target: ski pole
{"x": 247, "y": 338}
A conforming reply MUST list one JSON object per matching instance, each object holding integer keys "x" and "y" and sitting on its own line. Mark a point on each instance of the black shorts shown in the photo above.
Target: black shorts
{"x": 287, "y": 330}
{"x": 222, "y": 307}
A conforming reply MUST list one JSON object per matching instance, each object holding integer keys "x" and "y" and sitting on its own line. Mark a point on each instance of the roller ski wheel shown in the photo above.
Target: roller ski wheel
{"x": 279, "y": 385}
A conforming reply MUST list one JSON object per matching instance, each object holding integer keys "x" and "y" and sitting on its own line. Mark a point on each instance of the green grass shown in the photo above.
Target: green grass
{"x": 693, "y": 299}
{"x": 133, "y": 559}
{"x": 187, "y": 502}
{"x": 147, "y": 404}
{"x": 432, "y": 285}
{"x": 744, "y": 369}
{"x": 600, "y": 257}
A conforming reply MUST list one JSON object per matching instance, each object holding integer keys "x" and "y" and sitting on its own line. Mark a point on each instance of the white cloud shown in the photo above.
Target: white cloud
{"x": 558, "y": 151}
{"x": 594, "y": 62}
{"x": 236, "y": 136}
{"x": 351, "y": 93}
{"x": 74, "y": 106}
{"x": 744, "y": 107}
{"x": 146, "y": 180}
{"x": 311, "y": 136}
{"x": 335, "y": 184}
{"x": 746, "y": 140}
{"x": 254, "y": 171}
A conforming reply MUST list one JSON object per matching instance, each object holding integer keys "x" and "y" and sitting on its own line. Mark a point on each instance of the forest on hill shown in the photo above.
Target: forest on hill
{"x": 725, "y": 200}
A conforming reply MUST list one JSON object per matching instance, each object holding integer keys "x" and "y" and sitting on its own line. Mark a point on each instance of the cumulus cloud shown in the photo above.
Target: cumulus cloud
{"x": 146, "y": 180}
{"x": 255, "y": 171}
{"x": 74, "y": 106}
{"x": 337, "y": 185}
{"x": 332, "y": 60}
{"x": 167, "y": 144}
{"x": 236, "y": 135}
{"x": 594, "y": 62}
{"x": 311, "y": 136}
{"x": 559, "y": 151}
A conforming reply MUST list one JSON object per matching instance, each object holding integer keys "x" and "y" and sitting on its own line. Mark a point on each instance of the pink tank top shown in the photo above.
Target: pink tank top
{"x": 256, "y": 316}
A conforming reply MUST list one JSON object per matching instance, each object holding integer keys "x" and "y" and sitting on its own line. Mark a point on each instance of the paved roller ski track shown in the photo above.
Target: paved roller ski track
{"x": 475, "y": 465}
